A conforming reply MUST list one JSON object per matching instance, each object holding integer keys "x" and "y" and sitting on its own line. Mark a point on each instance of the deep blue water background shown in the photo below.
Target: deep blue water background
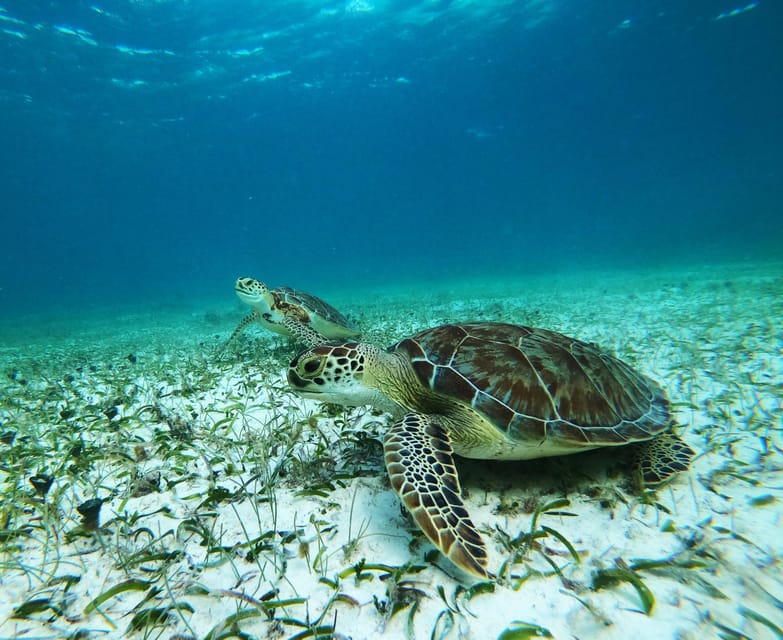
{"x": 156, "y": 150}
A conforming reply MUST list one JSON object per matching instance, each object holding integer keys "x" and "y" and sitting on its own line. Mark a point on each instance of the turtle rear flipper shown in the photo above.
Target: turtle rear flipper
{"x": 659, "y": 459}
{"x": 420, "y": 463}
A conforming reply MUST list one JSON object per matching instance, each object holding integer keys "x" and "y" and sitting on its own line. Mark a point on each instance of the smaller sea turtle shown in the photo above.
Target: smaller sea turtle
{"x": 490, "y": 391}
{"x": 291, "y": 313}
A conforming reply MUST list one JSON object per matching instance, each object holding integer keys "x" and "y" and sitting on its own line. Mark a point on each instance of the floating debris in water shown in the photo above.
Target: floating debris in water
{"x": 737, "y": 12}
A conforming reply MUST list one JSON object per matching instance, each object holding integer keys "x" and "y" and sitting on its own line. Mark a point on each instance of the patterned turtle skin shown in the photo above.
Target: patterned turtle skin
{"x": 290, "y": 312}
{"x": 490, "y": 391}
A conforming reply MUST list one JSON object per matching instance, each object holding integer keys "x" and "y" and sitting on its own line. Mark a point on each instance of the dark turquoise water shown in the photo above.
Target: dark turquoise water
{"x": 156, "y": 150}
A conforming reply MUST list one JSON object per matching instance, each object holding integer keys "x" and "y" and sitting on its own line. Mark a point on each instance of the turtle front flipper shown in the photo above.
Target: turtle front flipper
{"x": 659, "y": 459}
{"x": 249, "y": 319}
{"x": 303, "y": 332}
{"x": 420, "y": 462}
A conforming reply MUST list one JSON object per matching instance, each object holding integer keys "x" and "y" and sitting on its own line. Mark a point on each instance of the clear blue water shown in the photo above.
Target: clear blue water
{"x": 156, "y": 150}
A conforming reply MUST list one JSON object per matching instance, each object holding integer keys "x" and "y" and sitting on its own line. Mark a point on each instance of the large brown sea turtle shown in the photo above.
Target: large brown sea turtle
{"x": 490, "y": 391}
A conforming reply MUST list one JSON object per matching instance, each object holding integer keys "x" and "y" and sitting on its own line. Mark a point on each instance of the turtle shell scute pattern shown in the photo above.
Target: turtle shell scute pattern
{"x": 536, "y": 384}
{"x": 302, "y": 305}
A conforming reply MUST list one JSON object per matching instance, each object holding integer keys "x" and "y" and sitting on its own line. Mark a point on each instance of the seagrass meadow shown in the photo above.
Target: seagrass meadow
{"x": 158, "y": 485}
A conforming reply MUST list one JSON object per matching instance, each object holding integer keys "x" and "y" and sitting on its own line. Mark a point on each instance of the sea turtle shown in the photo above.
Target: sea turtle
{"x": 490, "y": 391}
{"x": 291, "y": 313}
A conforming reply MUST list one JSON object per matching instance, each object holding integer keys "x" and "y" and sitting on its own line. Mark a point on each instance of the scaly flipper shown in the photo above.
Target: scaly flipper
{"x": 249, "y": 319}
{"x": 420, "y": 462}
{"x": 659, "y": 459}
{"x": 303, "y": 332}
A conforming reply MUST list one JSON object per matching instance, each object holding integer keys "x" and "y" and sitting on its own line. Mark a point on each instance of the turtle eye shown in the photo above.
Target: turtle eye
{"x": 312, "y": 365}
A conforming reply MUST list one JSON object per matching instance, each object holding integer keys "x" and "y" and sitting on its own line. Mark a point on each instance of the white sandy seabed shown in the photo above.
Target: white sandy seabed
{"x": 231, "y": 508}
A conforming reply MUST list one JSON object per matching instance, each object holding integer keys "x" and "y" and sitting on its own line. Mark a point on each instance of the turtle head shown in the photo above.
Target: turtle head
{"x": 250, "y": 290}
{"x": 336, "y": 373}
